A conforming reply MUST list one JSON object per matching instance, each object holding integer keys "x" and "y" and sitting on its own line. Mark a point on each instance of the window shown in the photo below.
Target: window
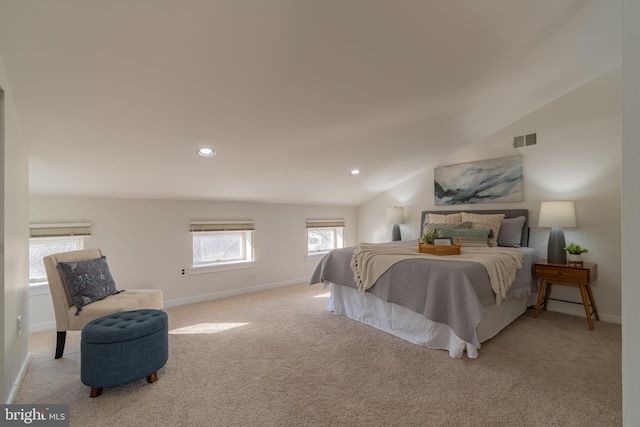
{"x": 324, "y": 235}
{"x": 48, "y": 239}
{"x": 41, "y": 247}
{"x": 221, "y": 246}
{"x": 217, "y": 243}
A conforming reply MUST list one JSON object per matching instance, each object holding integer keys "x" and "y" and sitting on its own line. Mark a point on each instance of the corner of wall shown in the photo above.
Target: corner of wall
{"x": 14, "y": 240}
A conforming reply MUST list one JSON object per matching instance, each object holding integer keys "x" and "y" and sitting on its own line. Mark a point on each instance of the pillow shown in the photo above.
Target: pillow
{"x": 511, "y": 232}
{"x": 493, "y": 221}
{"x": 433, "y": 226}
{"x": 468, "y": 237}
{"x": 444, "y": 219}
{"x": 88, "y": 280}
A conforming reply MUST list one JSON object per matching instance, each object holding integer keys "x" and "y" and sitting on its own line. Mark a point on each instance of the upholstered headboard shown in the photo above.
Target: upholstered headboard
{"x": 508, "y": 213}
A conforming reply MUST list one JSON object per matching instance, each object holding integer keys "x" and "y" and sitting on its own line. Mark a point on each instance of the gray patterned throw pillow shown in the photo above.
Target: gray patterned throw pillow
{"x": 88, "y": 281}
{"x": 468, "y": 237}
{"x": 431, "y": 226}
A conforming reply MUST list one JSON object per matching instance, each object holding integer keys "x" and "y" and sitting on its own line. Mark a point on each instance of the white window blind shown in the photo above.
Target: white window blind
{"x": 208, "y": 226}
{"x": 60, "y": 229}
{"x": 325, "y": 223}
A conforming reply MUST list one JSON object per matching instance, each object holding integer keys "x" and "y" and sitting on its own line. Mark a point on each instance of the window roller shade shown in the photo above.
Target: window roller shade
{"x": 325, "y": 223}
{"x": 204, "y": 226}
{"x": 60, "y": 230}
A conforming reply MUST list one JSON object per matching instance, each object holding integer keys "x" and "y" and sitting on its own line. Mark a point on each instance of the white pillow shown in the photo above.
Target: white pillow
{"x": 444, "y": 219}
{"x": 493, "y": 221}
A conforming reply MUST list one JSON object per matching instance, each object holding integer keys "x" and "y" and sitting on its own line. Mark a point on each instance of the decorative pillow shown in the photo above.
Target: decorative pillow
{"x": 433, "y": 226}
{"x": 493, "y": 221}
{"x": 444, "y": 219}
{"x": 468, "y": 237}
{"x": 511, "y": 232}
{"x": 88, "y": 280}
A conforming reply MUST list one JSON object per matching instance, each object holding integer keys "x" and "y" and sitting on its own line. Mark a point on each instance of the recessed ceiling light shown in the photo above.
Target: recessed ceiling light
{"x": 354, "y": 172}
{"x": 206, "y": 152}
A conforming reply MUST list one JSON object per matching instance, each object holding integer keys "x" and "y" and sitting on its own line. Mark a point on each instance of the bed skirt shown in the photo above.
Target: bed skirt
{"x": 414, "y": 327}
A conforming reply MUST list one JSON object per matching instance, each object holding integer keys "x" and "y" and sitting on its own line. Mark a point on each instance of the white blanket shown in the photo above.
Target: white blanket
{"x": 370, "y": 261}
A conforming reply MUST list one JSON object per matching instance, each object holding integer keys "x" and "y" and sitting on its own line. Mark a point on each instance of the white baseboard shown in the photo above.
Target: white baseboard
{"x": 230, "y": 293}
{"x": 182, "y": 301}
{"x": 559, "y": 306}
{"x": 18, "y": 381}
{"x": 578, "y": 310}
{"x": 42, "y": 327}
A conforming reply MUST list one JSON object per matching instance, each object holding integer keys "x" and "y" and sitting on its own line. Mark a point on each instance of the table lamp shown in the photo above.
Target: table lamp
{"x": 395, "y": 216}
{"x": 557, "y": 214}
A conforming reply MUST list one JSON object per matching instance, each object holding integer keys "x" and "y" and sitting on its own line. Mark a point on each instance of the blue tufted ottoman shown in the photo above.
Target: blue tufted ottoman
{"x": 123, "y": 347}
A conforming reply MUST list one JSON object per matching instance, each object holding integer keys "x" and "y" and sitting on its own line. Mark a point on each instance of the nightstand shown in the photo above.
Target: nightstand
{"x": 579, "y": 276}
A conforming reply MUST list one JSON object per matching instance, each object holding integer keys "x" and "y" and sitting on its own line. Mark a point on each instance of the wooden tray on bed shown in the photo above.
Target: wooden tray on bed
{"x": 439, "y": 249}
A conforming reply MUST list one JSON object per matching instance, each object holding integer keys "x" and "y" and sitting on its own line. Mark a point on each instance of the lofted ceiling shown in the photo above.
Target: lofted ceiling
{"x": 115, "y": 97}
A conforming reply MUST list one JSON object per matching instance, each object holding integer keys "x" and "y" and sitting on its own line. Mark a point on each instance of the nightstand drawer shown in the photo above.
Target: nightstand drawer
{"x": 569, "y": 274}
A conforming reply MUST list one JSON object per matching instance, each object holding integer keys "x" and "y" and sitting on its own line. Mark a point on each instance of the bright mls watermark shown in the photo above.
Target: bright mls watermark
{"x": 35, "y": 415}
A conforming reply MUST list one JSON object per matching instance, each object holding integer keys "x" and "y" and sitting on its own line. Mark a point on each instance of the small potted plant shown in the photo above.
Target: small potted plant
{"x": 427, "y": 238}
{"x": 575, "y": 252}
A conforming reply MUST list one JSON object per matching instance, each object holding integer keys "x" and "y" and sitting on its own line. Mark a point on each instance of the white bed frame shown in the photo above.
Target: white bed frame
{"x": 414, "y": 327}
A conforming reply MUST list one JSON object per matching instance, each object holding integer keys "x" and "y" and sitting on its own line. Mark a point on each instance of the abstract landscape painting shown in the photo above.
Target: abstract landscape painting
{"x": 486, "y": 181}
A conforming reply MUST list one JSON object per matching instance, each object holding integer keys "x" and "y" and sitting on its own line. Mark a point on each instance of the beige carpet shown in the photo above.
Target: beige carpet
{"x": 278, "y": 358}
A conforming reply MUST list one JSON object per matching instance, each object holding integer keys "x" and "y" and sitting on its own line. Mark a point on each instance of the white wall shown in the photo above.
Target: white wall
{"x": 577, "y": 158}
{"x": 14, "y": 235}
{"x": 147, "y": 243}
{"x": 417, "y": 194}
{"x": 630, "y": 209}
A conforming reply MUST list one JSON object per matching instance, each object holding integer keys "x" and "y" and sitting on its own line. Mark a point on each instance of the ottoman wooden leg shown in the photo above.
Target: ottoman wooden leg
{"x": 96, "y": 391}
{"x": 152, "y": 378}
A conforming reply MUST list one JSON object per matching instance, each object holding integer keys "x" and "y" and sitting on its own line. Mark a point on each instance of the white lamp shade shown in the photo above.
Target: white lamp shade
{"x": 395, "y": 215}
{"x": 557, "y": 214}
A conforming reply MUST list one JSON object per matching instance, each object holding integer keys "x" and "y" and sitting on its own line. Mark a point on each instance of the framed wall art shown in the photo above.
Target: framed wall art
{"x": 486, "y": 181}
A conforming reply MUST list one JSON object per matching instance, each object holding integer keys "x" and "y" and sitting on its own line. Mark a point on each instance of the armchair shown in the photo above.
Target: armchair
{"x": 65, "y": 309}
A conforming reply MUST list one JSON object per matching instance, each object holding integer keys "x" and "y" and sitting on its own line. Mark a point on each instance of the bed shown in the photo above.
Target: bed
{"x": 438, "y": 302}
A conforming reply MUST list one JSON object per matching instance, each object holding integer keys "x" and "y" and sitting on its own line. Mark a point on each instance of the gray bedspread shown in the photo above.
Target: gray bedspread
{"x": 444, "y": 291}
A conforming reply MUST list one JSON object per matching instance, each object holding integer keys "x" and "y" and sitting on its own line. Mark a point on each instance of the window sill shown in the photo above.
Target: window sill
{"x": 315, "y": 256}
{"x": 41, "y": 288}
{"x": 215, "y": 268}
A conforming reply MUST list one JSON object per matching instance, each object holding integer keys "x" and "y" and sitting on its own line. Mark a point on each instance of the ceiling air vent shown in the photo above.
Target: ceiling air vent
{"x": 525, "y": 140}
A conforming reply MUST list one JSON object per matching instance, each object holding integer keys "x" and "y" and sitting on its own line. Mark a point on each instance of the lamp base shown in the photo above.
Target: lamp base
{"x": 556, "y": 254}
{"x": 395, "y": 233}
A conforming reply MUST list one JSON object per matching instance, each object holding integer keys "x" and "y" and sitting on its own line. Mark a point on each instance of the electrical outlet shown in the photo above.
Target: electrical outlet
{"x": 183, "y": 272}
{"x": 19, "y": 324}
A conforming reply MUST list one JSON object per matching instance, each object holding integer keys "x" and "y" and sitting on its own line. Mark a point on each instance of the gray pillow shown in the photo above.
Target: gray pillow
{"x": 511, "y": 232}
{"x": 88, "y": 280}
{"x": 468, "y": 237}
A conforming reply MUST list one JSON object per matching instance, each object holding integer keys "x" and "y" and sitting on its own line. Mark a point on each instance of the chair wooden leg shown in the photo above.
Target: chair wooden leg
{"x": 152, "y": 378}
{"x": 62, "y": 337}
{"x": 96, "y": 391}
